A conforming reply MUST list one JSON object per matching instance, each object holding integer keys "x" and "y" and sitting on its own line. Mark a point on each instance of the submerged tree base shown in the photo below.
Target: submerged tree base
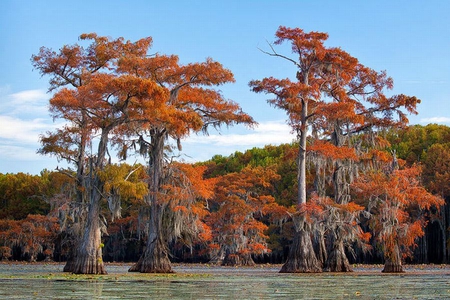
{"x": 234, "y": 260}
{"x": 86, "y": 266}
{"x": 338, "y": 261}
{"x": 301, "y": 258}
{"x": 153, "y": 260}
{"x": 152, "y": 266}
{"x": 390, "y": 267}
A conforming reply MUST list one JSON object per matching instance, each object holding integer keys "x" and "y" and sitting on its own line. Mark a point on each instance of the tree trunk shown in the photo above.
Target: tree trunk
{"x": 218, "y": 257}
{"x": 81, "y": 196}
{"x": 88, "y": 258}
{"x": 393, "y": 262}
{"x": 322, "y": 248}
{"x": 238, "y": 260}
{"x": 155, "y": 258}
{"x": 337, "y": 260}
{"x": 301, "y": 258}
{"x": 301, "y": 163}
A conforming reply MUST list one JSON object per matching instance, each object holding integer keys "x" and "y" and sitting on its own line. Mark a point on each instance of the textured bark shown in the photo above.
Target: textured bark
{"x": 155, "y": 258}
{"x": 238, "y": 260}
{"x": 392, "y": 267}
{"x": 301, "y": 258}
{"x": 393, "y": 262}
{"x": 301, "y": 167}
{"x": 70, "y": 262}
{"x": 88, "y": 258}
{"x": 322, "y": 255}
{"x": 337, "y": 260}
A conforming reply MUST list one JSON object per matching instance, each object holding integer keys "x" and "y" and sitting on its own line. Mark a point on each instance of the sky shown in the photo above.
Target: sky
{"x": 410, "y": 40}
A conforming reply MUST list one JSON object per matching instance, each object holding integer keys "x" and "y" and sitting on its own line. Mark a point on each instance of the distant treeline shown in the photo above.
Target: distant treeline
{"x": 34, "y": 208}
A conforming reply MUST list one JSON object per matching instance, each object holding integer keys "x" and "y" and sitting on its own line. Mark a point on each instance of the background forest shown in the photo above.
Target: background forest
{"x": 244, "y": 216}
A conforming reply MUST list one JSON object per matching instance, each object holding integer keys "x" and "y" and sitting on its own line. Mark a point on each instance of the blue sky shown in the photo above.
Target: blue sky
{"x": 408, "y": 39}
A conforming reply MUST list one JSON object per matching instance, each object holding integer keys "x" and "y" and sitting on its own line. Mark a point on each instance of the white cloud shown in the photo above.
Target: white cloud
{"x": 23, "y": 117}
{"x": 435, "y": 120}
{"x": 200, "y": 147}
{"x": 21, "y": 131}
{"x": 266, "y": 133}
{"x": 17, "y": 153}
{"x": 30, "y": 96}
{"x": 25, "y": 104}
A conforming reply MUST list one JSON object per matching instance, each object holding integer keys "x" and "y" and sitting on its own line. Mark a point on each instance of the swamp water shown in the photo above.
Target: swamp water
{"x": 47, "y": 281}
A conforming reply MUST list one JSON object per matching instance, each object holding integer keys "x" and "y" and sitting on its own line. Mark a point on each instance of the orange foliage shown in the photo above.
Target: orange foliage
{"x": 33, "y": 235}
{"x": 241, "y": 199}
{"x": 333, "y": 152}
{"x": 398, "y": 200}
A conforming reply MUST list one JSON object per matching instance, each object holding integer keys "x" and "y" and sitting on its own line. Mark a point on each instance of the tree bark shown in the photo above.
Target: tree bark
{"x": 155, "y": 258}
{"x": 393, "y": 262}
{"x": 301, "y": 163}
{"x": 337, "y": 260}
{"x": 322, "y": 255}
{"x": 238, "y": 260}
{"x": 88, "y": 258}
{"x": 301, "y": 258}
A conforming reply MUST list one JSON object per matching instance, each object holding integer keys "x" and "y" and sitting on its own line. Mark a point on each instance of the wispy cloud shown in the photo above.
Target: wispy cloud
{"x": 23, "y": 117}
{"x": 25, "y": 104}
{"x": 435, "y": 120}
{"x": 29, "y": 96}
{"x": 23, "y": 131}
{"x": 273, "y": 132}
{"x": 200, "y": 148}
{"x": 13, "y": 154}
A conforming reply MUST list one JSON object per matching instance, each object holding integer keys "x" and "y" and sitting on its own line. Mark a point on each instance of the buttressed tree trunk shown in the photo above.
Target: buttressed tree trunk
{"x": 337, "y": 260}
{"x": 155, "y": 258}
{"x": 393, "y": 262}
{"x": 88, "y": 258}
{"x": 238, "y": 260}
{"x": 301, "y": 258}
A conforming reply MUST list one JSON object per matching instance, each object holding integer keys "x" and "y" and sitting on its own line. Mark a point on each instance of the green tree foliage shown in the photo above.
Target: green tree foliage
{"x": 412, "y": 143}
{"x": 22, "y": 194}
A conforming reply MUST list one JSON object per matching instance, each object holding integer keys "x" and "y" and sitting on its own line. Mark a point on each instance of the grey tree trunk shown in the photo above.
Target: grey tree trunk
{"x": 88, "y": 258}
{"x": 238, "y": 260}
{"x": 155, "y": 257}
{"x": 337, "y": 261}
{"x": 301, "y": 258}
{"x": 73, "y": 238}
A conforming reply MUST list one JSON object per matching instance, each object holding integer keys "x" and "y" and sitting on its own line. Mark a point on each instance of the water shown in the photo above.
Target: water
{"x": 39, "y": 281}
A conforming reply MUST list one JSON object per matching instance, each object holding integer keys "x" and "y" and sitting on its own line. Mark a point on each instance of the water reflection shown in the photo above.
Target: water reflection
{"x": 223, "y": 284}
